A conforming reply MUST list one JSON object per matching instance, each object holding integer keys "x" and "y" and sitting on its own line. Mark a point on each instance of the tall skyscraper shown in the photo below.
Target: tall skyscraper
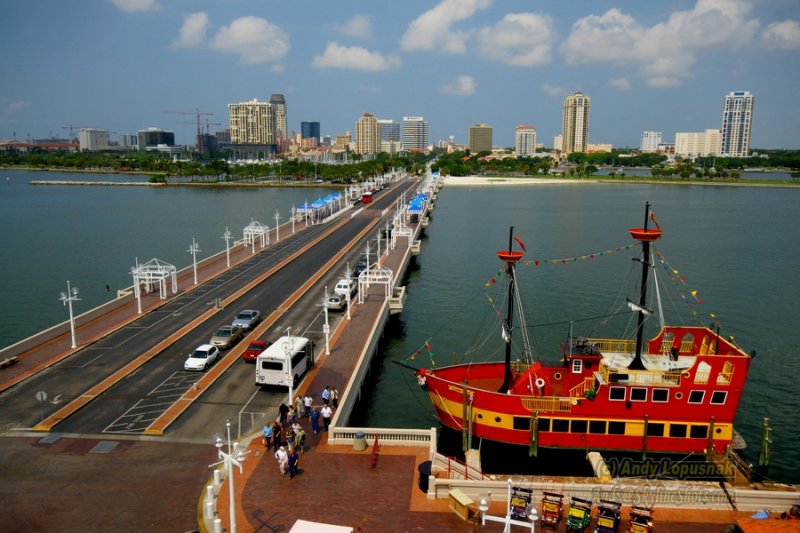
{"x": 390, "y": 130}
{"x": 480, "y": 138}
{"x": 252, "y": 122}
{"x": 575, "y": 126}
{"x": 525, "y": 141}
{"x": 310, "y": 130}
{"x": 650, "y": 141}
{"x": 368, "y": 135}
{"x": 415, "y": 133}
{"x": 281, "y": 129}
{"x": 737, "y": 119}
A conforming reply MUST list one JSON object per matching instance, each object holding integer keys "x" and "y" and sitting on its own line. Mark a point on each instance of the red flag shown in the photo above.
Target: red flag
{"x": 521, "y": 244}
{"x": 653, "y": 218}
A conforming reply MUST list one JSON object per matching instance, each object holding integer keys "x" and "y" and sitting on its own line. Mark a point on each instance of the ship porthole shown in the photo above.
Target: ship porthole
{"x": 678, "y": 395}
{"x": 497, "y": 419}
{"x": 718, "y": 430}
{"x": 557, "y": 376}
{"x": 480, "y": 416}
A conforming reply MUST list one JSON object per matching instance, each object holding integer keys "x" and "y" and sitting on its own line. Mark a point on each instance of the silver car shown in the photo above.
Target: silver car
{"x": 226, "y": 337}
{"x": 247, "y": 319}
{"x": 336, "y": 302}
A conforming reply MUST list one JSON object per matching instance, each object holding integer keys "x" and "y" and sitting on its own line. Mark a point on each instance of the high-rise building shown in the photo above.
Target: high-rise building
{"x": 152, "y": 137}
{"x": 368, "y": 135}
{"x": 343, "y": 141}
{"x": 310, "y": 130}
{"x": 575, "y": 125}
{"x": 281, "y": 128}
{"x": 390, "y": 130}
{"x": 698, "y": 144}
{"x": 128, "y": 140}
{"x": 91, "y": 139}
{"x": 415, "y": 133}
{"x": 480, "y": 138}
{"x": 525, "y": 141}
{"x": 252, "y": 122}
{"x": 737, "y": 119}
{"x": 650, "y": 141}
{"x": 558, "y": 142}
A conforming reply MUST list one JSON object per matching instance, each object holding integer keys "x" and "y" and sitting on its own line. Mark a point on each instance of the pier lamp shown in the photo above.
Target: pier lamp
{"x": 348, "y": 275}
{"x": 277, "y": 226}
{"x": 193, "y": 249}
{"x": 234, "y": 457}
{"x": 294, "y": 214}
{"x": 327, "y": 327}
{"x": 67, "y": 298}
{"x": 227, "y": 237}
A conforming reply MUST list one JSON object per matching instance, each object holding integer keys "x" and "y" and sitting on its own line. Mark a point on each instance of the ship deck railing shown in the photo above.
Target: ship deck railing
{"x": 625, "y": 376}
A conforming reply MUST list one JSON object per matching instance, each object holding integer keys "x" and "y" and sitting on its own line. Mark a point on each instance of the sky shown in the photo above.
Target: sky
{"x": 658, "y": 66}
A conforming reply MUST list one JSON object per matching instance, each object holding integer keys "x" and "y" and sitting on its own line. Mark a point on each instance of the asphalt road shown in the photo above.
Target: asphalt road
{"x": 127, "y": 407}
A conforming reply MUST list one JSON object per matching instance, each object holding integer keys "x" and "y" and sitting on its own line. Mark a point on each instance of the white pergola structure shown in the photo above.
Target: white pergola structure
{"x": 376, "y": 275}
{"x": 255, "y": 229}
{"x": 151, "y": 273}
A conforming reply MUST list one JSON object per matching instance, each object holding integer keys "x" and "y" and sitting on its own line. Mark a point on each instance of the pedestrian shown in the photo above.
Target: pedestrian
{"x": 335, "y": 397}
{"x": 315, "y": 420}
{"x": 308, "y": 401}
{"x": 326, "y": 395}
{"x": 283, "y": 459}
{"x": 298, "y": 406}
{"x": 292, "y": 461}
{"x": 291, "y": 417}
{"x": 326, "y": 413}
{"x": 276, "y": 434}
{"x": 300, "y": 440}
{"x": 268, "y": 435}
{"x": 283, "y": 411}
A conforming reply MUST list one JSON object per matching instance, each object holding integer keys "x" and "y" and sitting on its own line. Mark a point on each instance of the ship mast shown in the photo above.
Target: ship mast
{"x": 509, "y": 257}
{"x": 645, "y": 236}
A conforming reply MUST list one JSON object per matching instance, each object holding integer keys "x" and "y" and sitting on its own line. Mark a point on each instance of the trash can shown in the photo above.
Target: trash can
{"x": 424, "y": 471}
{"x": 360, "y": 442}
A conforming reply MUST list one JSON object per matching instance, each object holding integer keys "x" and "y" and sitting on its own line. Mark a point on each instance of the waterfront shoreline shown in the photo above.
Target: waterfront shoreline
{"x": 482, "y": 181}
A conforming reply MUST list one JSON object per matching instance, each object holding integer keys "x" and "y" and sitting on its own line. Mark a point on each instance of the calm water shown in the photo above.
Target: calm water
{"x": 92, "y": 237}
{"x": 734, "y": 245}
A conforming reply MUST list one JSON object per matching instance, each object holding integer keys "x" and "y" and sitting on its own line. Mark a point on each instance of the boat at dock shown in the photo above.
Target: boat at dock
{"x": 657, "y": 388}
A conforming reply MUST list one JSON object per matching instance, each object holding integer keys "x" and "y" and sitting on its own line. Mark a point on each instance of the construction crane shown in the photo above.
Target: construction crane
{"x": 197, "y": 113}
{"x": 71, "y": 127}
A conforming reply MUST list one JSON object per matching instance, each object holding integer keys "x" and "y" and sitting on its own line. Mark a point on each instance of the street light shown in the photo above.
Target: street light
{"x": 235, "y": 457}
{"x": 348, "y": 275}
{"x": 277, "y": 226}
{"x": 327, "y": 327}
{"x": 193, "y": 249}
{"x": 67, "y": 298}
{"x": 294, "y": 214}
{"x": 227, "y": 237}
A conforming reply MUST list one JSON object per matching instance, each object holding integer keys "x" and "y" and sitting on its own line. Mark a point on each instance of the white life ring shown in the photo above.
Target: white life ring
{"x": 539, "y": 383}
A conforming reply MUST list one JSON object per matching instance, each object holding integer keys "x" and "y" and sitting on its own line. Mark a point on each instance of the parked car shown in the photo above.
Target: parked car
{"x": 247, "y": 319}
{"x": 345, "y": 286}
{"x": 336, "y": 302}
{"x": 226, "y": 336}
{"x": 203, "y": 357}
{"x": 255, "y": 348}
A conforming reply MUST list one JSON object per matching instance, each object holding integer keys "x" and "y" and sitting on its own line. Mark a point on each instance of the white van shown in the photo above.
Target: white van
{"x": 288, "y": 357}
{"x": 345, "y": 286}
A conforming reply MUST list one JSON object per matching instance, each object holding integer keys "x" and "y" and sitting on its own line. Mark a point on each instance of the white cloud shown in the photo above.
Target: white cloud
{"x": 783, "y": 35}
{"x": 462, "y": 86}
{"x": 133, "y": 6}
{"x": 432, "y": 31}
{"x": 354, "y": 58}
{"x": 665, "y": 52}
{"x": 193, "y": 31}
{"x": 620, "y": 83}
{"x": 254, "y": 39}
{"x": 358, "y": 26}
{"x": 519, "y": 40}
{"x": 553, "y": 90}
{"x": 16, "y": 107}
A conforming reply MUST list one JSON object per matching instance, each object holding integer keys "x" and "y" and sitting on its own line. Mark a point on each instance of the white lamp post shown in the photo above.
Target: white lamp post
{"x": 348, "y": 276}
{"x": 277, "y": 225}
{"x": 67, "y": 298}
{"x": 235, "y": 457}
{"x": 193, "y": 249}
{"x": 294, "y": 214}
{"x": 327, "y": 327}
{"x": 227, "y": 237}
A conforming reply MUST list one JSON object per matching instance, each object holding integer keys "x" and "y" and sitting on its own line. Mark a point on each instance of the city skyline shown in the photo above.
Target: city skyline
{"x": 119, "y": 64}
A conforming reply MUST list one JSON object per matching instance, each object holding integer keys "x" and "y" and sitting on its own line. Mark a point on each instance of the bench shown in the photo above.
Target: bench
{"x": 9, "y": 361}
{"x": 459, "y": 503}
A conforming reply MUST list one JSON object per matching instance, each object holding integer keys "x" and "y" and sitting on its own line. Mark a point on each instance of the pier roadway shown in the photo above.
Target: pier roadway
{"x": 167, "y": 335}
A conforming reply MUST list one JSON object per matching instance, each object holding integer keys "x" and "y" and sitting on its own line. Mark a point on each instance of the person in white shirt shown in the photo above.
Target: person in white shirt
{"x": 326, "y": 413}
{"x": 283, "y": 459}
